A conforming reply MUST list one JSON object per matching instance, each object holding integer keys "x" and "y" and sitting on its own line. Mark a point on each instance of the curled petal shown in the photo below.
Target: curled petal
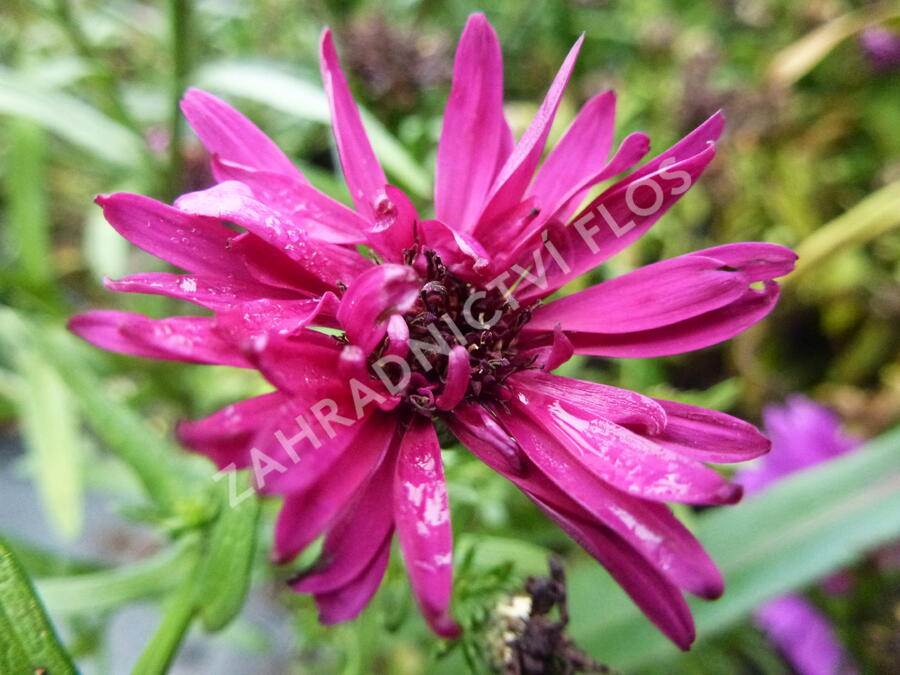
{"x": 395, "y": 224}
{"x": 622, "y": 213}
{"x": 372, "y": 298}
{"x": 356, "y": 540}
{"x": 458, "y": 372}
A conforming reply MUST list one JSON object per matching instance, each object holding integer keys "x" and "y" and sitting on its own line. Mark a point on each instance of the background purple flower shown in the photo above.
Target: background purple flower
{"x": 803, "y": 433}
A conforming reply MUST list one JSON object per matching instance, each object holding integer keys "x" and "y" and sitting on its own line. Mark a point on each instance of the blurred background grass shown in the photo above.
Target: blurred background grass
{"x": 88, "y": 93}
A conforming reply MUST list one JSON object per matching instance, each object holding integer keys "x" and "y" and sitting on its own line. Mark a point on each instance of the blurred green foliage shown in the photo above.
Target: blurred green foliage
{"x": 811, "y": 159}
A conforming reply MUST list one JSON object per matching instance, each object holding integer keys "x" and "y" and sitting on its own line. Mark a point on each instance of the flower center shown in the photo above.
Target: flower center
{"x": 448, "y": 314}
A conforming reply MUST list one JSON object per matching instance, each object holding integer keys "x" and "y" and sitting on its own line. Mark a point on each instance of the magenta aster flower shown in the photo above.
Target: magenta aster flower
{"x": 446, "y": 320}
{"x": 804, "y": 433}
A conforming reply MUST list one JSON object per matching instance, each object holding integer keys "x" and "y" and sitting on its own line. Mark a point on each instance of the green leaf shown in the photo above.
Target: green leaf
{"x": 49, "y": 425}
{"x": 795, "y": 533}
{"x": 873, "y": 217}
{"x": 26, "y": 198}
{"x": 70, "y": 118}
{"x": 105, "y": 250}
{"x": 28, "y": 642}
{"x": 225, "y": 579}
{"x": 112, "y": 588}
{"x": 796, "y": 60}
{"x": 151, "y": 456}
{"x": 56, "y": 451}
{"x": 290, "y": 93}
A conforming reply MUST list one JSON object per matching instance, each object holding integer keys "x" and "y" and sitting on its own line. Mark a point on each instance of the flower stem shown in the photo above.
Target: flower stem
{"x": 179, "y": 22}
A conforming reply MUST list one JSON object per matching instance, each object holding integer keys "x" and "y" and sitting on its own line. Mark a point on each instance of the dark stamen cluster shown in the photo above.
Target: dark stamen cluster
{"x": 481, "y": 320}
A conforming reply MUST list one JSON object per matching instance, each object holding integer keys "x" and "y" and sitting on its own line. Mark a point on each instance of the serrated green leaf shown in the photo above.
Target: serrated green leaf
{"x": 293, "y": 94}
{"x": 225, "y": 579}
{"x": 28, "y": 642}
{"x": 800, "y": 530}
{"x": 70, "y": 118}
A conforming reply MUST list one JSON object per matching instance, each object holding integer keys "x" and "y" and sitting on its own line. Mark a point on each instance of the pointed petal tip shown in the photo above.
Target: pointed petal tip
{"x": 729, "y": 493}
{"x": 444, "y": 626}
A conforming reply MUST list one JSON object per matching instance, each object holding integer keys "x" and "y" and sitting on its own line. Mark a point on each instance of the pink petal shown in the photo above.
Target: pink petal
{"x": 622, "y": 213}
{"x": 458, "y": 372}
{"x": 423, "y": 524}
{"x": 460, "y": 252}
{"x": 709, "y": 436}
{"x": 196, "y": 244}
{"x": 322, "y": 263}
{"x": 372, "y": 298}
{"x": 581, "y": 152}
{"x": 758, "y": 261}
{"x": 553, "y": 217}
{"x": 246, "y": 321}
{"x": 346, "y": 602}
{"x": 226, "y": 435}
{"x": 394, "y": 229}
{"x": 303, "y": 365}
{"x": 302, "y": 451}
{"x": 352, "y": 544}
{"x": 657, "y": 598}
{"x": 517, "y": 172}
{"x": 649, "y": 297}
{"x": 363, "y": 173}
{"x": 695, "y": 333}
{"x": 651, "y": 591}
{"x": 619, "y": 406}
{"x": 227, "y": 133}
{"x": 620, "y": 457}
{"x": 305, "y": 515}
{"x": 265, "y": 264}
{"x": 216, "y": 293}
{"x": 318, "y": 214}
{"x": 648, "y": 527}
{"x": 477, "y": 427}
{"x": 473, "y": 129}
{"x": 555, "y": 354}
{"x": 182, "y": 338}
